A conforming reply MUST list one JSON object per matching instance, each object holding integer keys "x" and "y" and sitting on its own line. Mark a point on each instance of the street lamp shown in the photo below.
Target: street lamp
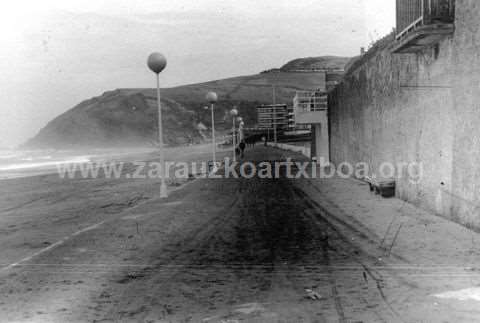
{"x": 240, "y": 128}
{"x": 212, "y": 99}
{"x": 234, "y": 113}
{"x": 275, "y": 126}
{"x": 157, "y": 62}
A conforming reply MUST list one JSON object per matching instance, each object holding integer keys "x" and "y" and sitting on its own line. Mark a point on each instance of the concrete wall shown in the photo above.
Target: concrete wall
{"x": 310, "y": 117}
{"x": 418, "y": 108}
{"x": 465, "y": 197}
{"x": 320, "y": 141}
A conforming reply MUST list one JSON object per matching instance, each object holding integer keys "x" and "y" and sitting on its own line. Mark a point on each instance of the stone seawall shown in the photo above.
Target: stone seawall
{"x": 418, "y": 108}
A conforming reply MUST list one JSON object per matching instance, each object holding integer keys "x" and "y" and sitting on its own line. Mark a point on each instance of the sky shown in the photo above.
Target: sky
{"x": 57, "y": 53}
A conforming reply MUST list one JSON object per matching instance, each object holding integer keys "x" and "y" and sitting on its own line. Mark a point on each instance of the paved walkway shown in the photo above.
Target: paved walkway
{"x": 254, "y": 250}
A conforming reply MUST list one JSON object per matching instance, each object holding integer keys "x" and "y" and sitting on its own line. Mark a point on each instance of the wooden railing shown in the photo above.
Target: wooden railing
{"x": 413, "y": 13}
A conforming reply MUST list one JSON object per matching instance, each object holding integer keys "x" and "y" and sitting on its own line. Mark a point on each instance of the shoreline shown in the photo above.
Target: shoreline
{"x": 139, "y": 154}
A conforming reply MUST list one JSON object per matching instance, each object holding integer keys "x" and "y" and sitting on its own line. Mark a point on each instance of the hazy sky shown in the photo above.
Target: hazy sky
{"x": 56, "y": 53}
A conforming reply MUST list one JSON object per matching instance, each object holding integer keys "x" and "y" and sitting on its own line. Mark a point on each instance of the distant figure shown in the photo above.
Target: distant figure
{"x": 264, "y": 139}
{"x": 242, "y": 148}
{"x": 252, "y": 141}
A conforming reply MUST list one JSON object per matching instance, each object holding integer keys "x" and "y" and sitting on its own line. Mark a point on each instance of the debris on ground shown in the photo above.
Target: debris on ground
{"x": 313, "y": 295}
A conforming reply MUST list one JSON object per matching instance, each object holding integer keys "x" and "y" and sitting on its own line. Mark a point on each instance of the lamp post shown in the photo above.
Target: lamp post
{"x": 275, "y": 124}
{"x": 275, "y": 131}
{"x": 212, "y": 99}
{"x": 234, "y": 113}
{"x": 157, "y": 62}
{"x": 240, "y": 128}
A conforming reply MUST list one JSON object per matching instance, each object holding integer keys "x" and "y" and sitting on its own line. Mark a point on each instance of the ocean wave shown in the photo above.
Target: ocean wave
{"x": 40, "y": 164}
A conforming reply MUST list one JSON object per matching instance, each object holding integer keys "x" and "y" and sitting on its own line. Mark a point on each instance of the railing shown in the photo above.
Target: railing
{"x": 439, "y": 11}
{"x": 408, "y": 13}
{"x": 413, "y": 13}
{"x": 305, "y": 101}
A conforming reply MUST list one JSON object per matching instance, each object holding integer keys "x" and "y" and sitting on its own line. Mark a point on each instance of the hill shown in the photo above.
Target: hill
{"x": 316, "y": 63}
{"x": 128, "y": 117}
{"x": 116, "y": 118}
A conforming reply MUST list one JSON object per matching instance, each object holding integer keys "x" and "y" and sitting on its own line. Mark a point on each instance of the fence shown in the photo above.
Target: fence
{"x": 306, "y": 101}
{"x": 411, "y": 13}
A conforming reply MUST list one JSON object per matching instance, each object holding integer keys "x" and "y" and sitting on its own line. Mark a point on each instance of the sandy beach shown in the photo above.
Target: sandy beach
{"x": 36, "y": 211}
{"x": 228, "y": 250}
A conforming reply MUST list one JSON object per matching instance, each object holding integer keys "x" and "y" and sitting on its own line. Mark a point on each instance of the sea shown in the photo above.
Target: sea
{"x": 23, "y": 163}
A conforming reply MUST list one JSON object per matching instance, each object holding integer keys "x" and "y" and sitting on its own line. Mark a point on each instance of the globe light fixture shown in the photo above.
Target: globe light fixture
{"x": 156, "y": 63}
{"x": 234, "y": 114}
{"x": 241, "y": 124}
{"x": 212, "y": 98}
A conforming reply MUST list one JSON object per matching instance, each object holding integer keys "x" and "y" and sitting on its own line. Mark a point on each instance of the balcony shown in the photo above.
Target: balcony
{"x": 310, "y": 107}
{"x": 272, "y": 116}
{"x": 423, "y": 23}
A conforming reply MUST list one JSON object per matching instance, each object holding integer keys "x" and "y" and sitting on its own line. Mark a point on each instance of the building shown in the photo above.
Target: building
{"x": 273, "y": 116}
{"x": 290, "y": 119}
{"x": 311, "y": 110}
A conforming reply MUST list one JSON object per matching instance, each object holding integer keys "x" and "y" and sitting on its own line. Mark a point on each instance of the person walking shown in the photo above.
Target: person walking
{"x": 242, "y": 148}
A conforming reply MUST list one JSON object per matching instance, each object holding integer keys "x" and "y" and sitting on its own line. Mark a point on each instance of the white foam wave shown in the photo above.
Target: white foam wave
{"x": 74, "y": 160}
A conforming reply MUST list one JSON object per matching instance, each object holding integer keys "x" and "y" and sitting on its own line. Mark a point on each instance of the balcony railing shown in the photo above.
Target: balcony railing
{"x": 305, "y": 101}
{"x": 310, "y": 107}
{"x": 412, "y": 14}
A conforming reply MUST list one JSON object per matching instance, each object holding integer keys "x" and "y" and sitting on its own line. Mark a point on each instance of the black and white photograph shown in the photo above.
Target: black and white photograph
{"x": 240, "y": 161}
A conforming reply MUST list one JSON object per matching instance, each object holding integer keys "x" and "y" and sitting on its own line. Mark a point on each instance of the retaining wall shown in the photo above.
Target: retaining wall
{"x": 421, "y": 108}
